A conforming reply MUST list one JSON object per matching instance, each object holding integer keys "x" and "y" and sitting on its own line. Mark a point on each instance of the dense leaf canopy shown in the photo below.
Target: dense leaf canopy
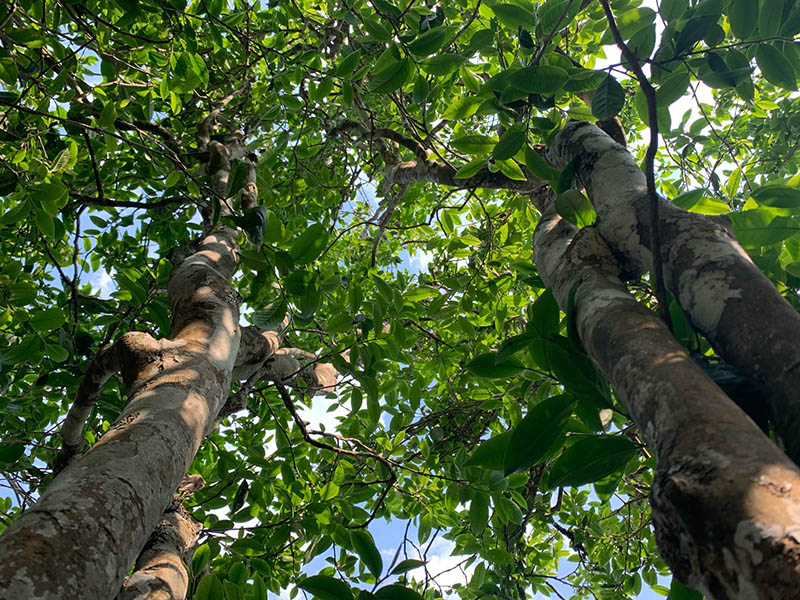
{"x": 396, "y": 144}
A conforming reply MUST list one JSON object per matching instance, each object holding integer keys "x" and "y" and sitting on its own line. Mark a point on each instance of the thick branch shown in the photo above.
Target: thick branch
{"x": 160, "y": 572}
{"x": 710, "y": 454}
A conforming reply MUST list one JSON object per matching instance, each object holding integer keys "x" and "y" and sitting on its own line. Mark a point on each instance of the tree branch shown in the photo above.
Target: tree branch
{"x": 650, "y": 172}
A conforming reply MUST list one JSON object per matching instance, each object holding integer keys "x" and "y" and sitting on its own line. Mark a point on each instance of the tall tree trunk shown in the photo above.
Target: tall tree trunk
{"x": 725, "y": 500}
{"x": 724, "y": 294}
{"x": 92, "y": 521}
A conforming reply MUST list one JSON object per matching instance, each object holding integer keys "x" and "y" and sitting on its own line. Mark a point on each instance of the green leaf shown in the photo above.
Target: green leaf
{"x": 429, "y": 42}
{"x": 760, "y": 227}
{"x": 511, "y": 169}
{"x": 326, "y": 588}
{"x": 404, "y": 566}
{"x": 539, "y": 79}
{"x": 486, "y": 365}
{"x": 478, "y": 512}
{"x": 422, "y": 292}
{"x": 514, "y": 344}
{"x": 537, "y": 165}
{"x": 510, "y": 143}
{"x": 591, "y": 459}
{"x": 608, "y": 99}
{"x": 742, "y": 16}
{"x": 769, "y": 17}
{"x": 462, "y": 108}
{"x": 56, "y": 353}
{"x": 22, "y": 351}
{"x": 777, "y": 195}
{"x": 544, "y": 314}
{"x": 209, "y": 588}
{"x": 347, "y": 65}
{"x": 491, "y": 453}
{"x": 513, "y": 15}
{"x": 443, "y": 64}
{"x": 365, "y": 547}
{"x": 775, "y": 67}
{"x": 575, "y": 208}
{"x": 11, "y": 453}
{"x": 474, "y": 144}
{"x": 678, "y": 591}
{"x": 533, "y": 439}
{"x": 47, "y": 320}
{"x": 392, "y": 77}
{"x": 310, "y": 244}
{"x": 8, "y": 70}
{"x": 377, "y": 30}
{"x": 396, "y": 592}
{"x": 470, "y": 169}
{"x": 671, "y": 10}
{"x": 201, "y": 558}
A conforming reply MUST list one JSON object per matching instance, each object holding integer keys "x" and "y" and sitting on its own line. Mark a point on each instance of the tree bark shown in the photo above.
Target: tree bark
{"x": 724, "y": 294}
{"x": 160, "y": 572}
{"x": 725, "y": 500}
{"x": 91, "y": 522}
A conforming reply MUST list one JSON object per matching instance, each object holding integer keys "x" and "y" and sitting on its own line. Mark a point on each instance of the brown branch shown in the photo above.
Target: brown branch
{"x": 650, "y": 172}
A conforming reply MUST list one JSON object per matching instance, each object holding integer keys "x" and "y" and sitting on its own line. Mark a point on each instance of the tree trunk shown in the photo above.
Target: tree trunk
{"x": 91, "y": 522}
{"x": 725, "y": 500}
{"x": 724, "y": 294}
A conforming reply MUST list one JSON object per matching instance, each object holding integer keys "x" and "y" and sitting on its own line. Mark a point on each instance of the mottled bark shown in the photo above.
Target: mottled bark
{"x": 725, "y": 500}
{"x": 160, "y": 572}
{"x": 91, "y": 522}
{"x": 724, "y": 294}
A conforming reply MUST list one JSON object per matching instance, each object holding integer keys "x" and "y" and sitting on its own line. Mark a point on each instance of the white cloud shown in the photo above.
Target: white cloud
{"x": 102, "y": 282}
{"x": 420, "y": 260}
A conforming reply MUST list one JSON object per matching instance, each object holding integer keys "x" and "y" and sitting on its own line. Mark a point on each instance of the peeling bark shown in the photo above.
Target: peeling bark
{"x": 725, "y": 500}
{"x": 724, "y": 294}
{"x": 94, "y": 518}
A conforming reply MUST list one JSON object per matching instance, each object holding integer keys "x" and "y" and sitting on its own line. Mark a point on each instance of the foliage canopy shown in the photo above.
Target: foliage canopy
{"x": 456, "y": 365}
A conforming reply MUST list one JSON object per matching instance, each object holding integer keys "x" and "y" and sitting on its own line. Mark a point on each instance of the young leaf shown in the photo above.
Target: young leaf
{"x": 470, "y": 169}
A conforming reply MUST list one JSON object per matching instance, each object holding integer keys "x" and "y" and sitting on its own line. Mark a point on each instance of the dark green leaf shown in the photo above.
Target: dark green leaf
{"x": 608, "y": 99}
{"x": 777, "y": 69}
{"x": 575, "y": 208}
{"x": 11, "y": 453}
{"x": 536, "y": 434}
{"x": 778, "y": 195}
{"x": 539, "y": 79}
{"x": 474, "y": 144}
{"x": 742, "y": 16}
{"x": 537, "y": 165}
{"x": 678, "y": 591}
{"x": 365, "y": 547}
{"x": 491, "y": 453}
{"x": 404, "y": 566}
{"x": 486, "y": 365}
{"x": 429, "y": 42}
{"x": 478, "y": 512}
{"x": 443, "y": 64}
{"x": 326, "y": 588}
{"x": 769, "y": 17}
{"x": 392, "y": 77}
{"x": 591, "y": 459}
{"x": 310, "y": 244}
{"x": 241, "y": 496}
